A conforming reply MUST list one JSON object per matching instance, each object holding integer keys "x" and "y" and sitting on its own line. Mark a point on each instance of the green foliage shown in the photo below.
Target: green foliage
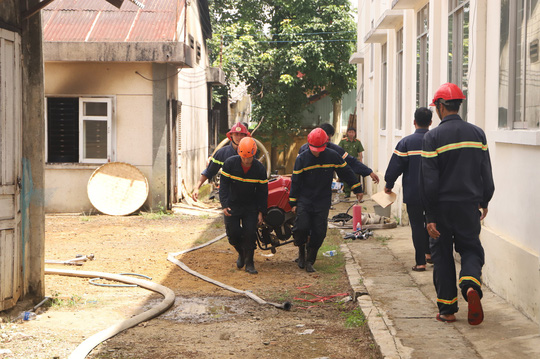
{"x": 285, "y": 51}
{"x": 354, "y": 318}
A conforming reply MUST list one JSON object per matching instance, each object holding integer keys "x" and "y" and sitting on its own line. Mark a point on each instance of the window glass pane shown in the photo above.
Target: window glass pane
{"x": 450, "y": 47}
{"x": 95, "y": 109}
{"x": 532, "y": 70}
{"x": 519, "y": 65}
{"x": 464, "y": 82}
{"x": 504, "y": 64}
{"x": 95, "y": 139}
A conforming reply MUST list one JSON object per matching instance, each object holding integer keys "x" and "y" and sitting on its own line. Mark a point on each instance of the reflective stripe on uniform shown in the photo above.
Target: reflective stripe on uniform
{"x": 408, "y": 153}
{"x": 471, "y": 279}
{"x": 330, "y": 165}
{"x": 445, "y": 301}
{"x": 248, "y": 180}
{"x": 455, "y": 146}
{"x": 216, "y": 161}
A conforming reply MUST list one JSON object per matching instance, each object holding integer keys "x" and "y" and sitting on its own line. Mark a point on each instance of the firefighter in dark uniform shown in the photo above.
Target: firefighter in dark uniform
{"x": 243, "y": 193}
{"x": 457, "y": 185}
{"x": 311, "y": 194}
{"x": 235, "y": 134}
{"x": 357, "y": 166}
{"x": 406, "y": 160}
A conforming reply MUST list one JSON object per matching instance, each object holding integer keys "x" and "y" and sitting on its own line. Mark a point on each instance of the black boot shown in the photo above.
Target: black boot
{"x": 241, "y": 258}
{"x": 310, "y": 260}
{"x": 250, "y": 266}
{"x": 301, "y": 260}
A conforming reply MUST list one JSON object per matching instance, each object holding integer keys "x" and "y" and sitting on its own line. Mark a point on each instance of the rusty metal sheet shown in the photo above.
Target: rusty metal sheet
{"x": 112, "y": 26}
{"x": 99, "y": 21}
{"x": 64, "y": 26}
{"x": 154, "y": 26}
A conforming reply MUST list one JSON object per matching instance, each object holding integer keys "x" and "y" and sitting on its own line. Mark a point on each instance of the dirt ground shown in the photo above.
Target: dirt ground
{"x": 206, "y": 320}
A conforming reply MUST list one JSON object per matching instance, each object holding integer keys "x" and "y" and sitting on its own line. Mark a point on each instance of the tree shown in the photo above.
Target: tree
{"x": 285, "y": 51}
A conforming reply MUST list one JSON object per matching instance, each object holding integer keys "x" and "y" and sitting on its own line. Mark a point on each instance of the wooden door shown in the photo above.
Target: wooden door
{"x": 10, "y": 169}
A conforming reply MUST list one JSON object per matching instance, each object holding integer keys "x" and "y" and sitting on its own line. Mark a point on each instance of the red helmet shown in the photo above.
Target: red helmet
{"x": 247, "y": 147}
{"x": 317, "y": 140}
{"x": 447, "y": 92}
{"x": 238, "y": 128}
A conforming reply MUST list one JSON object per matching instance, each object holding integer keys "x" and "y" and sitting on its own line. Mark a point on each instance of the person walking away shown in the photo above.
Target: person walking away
{"x": 311, "y": 194}
{"x": 353, "y": 147}
{"x": 243, "y": 193}
{"x": 235, "y": 134}
{"x": 406, "y": 161}
{"x": 457, "y": 185}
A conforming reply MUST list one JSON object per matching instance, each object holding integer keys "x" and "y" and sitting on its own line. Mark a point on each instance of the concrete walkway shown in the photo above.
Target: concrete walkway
{"x": 400, "y": 306}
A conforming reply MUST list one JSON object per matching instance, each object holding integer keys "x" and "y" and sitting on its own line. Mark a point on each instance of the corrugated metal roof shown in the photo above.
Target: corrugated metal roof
{"x": 99, "y": 21}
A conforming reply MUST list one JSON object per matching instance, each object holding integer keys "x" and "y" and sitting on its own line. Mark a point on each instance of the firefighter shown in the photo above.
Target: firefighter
{"x": 406, "y": 160}
{"x": 457, "y": 185}
{"x": 357, "y": 166}
{"x": 311, "y": 194}
{"x": 235, "y": 134}
{"x": 243, "y": 193}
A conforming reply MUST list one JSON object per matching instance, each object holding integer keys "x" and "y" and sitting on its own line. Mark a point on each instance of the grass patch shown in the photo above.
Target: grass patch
{"x": 354, "y": 318}
{"x": 156, "y": 215}
{"x": 383, "y": 239}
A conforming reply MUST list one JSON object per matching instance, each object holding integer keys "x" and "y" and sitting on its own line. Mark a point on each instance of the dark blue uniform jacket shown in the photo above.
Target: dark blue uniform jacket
{"x": 217, "y": 161}
{"x": 312, "y": 178}
{"x": 239, "y": 189}
{"x": 455, "y": 166}
{"x": 406, "y": 160}
{"x": 357, "y": 166}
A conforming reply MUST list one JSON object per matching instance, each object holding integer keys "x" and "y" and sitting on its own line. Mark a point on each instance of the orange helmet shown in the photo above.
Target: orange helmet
{"x": 247, "y": 147}
{"x": 317, "y": 140}
{"x": 238, "y": 128}
{"x": 447, "y": 92}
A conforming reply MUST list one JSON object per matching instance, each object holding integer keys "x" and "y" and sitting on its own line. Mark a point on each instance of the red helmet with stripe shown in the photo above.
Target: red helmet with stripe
{"x": 317, "y": 140}
{"x": 447, "y": 92}
{"x": 238, "y": 128}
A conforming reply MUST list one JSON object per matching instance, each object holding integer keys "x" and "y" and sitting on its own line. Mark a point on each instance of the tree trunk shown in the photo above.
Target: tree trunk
{"x": 336, "y": 119}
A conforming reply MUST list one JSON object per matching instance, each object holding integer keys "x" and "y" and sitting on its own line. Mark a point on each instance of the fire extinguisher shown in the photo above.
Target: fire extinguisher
{"x": 357, "y": 217}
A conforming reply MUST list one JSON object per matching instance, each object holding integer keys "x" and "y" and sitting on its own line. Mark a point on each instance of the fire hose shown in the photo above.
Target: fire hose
{"x": 172, "y": 258}
{"x": 86, "y": 347}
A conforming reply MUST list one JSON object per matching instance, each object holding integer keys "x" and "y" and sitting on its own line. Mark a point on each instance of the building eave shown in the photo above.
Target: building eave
{"x": 175, "y": 53}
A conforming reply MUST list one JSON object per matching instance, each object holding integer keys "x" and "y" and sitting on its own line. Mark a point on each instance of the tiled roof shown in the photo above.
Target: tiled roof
{"x": 99, "y": 21}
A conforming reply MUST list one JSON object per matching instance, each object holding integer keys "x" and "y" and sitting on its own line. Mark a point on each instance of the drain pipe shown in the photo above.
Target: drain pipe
{"x": 172, "y": 258}
{"x": 86, "y": 347}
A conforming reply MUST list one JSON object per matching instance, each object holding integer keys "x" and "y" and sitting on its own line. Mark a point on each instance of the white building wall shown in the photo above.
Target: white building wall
{"x": 510, "y": 231}
{"x": 193, "y": 94}
{"x": 66, "y": 184}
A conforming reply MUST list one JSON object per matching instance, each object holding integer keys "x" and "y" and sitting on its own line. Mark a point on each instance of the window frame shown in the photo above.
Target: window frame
{"x": 422, "y": 55}
{"x": 458, "y": 16}
{"x": 398, "y": 124}
{"x": 518, "y": 63}
{"x": 82, "y": 129}
{"x": 384, "y": 86}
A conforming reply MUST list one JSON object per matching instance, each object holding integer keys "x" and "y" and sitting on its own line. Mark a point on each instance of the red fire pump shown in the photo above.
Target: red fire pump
{"x": 277, "y": 227}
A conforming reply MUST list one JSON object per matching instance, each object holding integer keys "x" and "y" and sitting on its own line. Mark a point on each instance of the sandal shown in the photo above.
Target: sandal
{"x": 416, "y": 268}
{"x": 444, "y": 320}
{"x": 476, "y": 314}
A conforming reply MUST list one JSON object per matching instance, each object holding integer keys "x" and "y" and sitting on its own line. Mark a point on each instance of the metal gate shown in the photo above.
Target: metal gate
{"x": 10, "y": 169}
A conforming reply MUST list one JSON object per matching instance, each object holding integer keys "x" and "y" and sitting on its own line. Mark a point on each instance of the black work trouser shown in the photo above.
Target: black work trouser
{"x": 459, "y": 226}
{"x": 310, "y": 222}
{"x": 420, "y": 236}
{"x": 241, "y": 227}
